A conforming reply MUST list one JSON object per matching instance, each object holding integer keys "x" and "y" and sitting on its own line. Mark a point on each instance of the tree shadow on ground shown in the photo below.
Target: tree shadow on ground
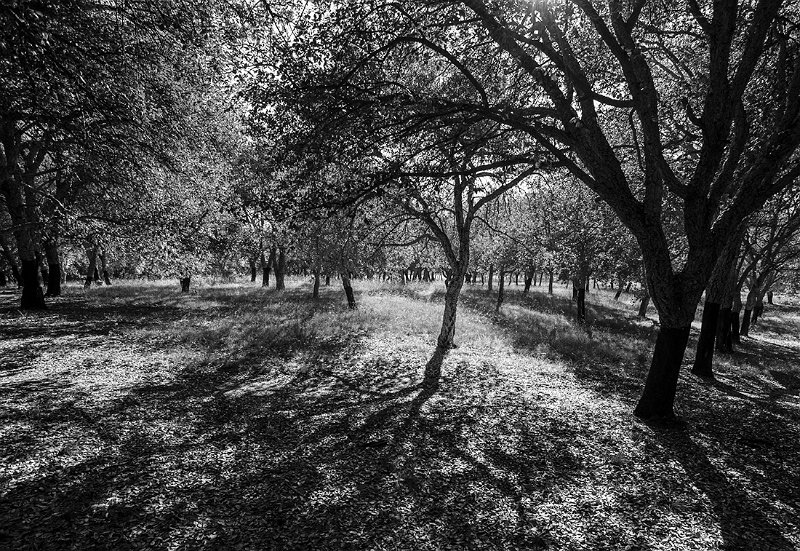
{"x": 332, "y": 456}
{"x": 745, "y": 521}
{"x": 616, "y": 368}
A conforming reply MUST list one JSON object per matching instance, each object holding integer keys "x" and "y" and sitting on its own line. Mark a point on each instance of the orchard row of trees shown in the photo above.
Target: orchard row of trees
{"x": 652, "y": 145}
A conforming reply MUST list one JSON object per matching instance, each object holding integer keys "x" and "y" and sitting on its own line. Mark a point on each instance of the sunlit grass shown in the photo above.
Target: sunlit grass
{"x": 240, "y": 416}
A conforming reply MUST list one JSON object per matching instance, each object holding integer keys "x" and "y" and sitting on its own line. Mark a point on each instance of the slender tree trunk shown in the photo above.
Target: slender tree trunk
{"x": 402, "y": 277}
{"x": 644, "y": 304}
{"x": 769, "y": 298}
{"x": 500, "y": 289}
{"x": 315, "y": 293}
{"x": 579, "y": 292}
{"x": 253, "y": 269}
{"x": 348, "y": 290}
{"x": 91, "y": 253}
{"x": 550, "y": 282}
{"x": 266, "y": 266}
{"x": 528, "y": 280}
{"x": 104, "y": 266}
{"x": 447, "y": 332}
{"x": 491, "y": 275}
{"x": 658, "y": 398}
{"x": 12, "y": 263}
{"x": 758, "y": 309}
{"x": 54, "y": 271}
{"x": 736, "y": 308}
{"x": 724, "y": 340}
{"x": 516, "y": 279}
{"x": 748, "y": 312}
{"x": 43, "y": 270}
{"x": 280, "y": 270}
{"x": 704, "y": 356}
{"x": 619, "y": 290}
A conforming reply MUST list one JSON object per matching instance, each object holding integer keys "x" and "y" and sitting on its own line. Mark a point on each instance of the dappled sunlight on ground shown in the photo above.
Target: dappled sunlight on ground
{"x": 134, "y": 416}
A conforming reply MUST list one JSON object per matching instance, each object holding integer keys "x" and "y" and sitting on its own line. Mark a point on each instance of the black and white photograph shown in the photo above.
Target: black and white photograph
{"x": 400, "y": 275}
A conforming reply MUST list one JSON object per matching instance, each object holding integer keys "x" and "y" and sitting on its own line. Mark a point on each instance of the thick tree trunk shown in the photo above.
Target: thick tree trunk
{"x": 704, "y": 356}
{"x": 658, "y": 398}
{"x": 280, "y": 270}
{"x": 91, "y": 253}
{"x": 327, "y": 280}
{"x": 348, "y": 290}
{"x": 500, "y": 289}
{"x": 491, "y": 275}
{"x": 32, "y": 295}
{"x": 185, "y": 283}
{"x": 769, "y": 298}
{"x": 54, "y": 268}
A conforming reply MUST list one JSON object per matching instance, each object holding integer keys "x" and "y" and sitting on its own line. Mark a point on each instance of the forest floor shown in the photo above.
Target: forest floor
{"x": 232, "y": 417}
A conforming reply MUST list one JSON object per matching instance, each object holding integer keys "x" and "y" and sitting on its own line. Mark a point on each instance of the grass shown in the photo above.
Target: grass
{"x": 134, "y": 417}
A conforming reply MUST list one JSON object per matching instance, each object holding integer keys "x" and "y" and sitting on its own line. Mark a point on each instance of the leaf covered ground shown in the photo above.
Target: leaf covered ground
{"x": 134, "y": 417}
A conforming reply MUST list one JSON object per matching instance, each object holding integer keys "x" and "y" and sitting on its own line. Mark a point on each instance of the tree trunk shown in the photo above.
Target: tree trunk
{"x": 104, "y": 267}
{"x": 43, "y": 270}
{"x": 528, "y": 281}
{"x": 327, "y": 280}
{"x": 491, "y": 275}
{"x": 447, "y": 332}
{"x": 185, "y": 282}
{"x": 745, "y": 330}
{"x": 500, "y": 289}
{"x": 266, "y": 266}
{"x": 280, "y": 270}
{"x": 644, "y": 304}
{"x": 619, "y": 291}
{"x": 253, "y": 269}
{"x": 315, "y": 293}
{"x": 3, "y": 280}
{"x": 736, "y": 308}
{"x": 516, "y": 279}
{"x": 658, "y": 397}
{"x": 91, "y": 252}
{"x": 550, "y": 282}
{"x": 758, "y": 309}
{"x": 348, "y": 290}
{"x": 32, "y": 295}
{"x": 54, "y": 268}
{"x": 580, "y": 301}
{"x": 748, "y": 312}
{"x": 704, "y": 356}
{"x": 769, "y": 298}
{"x": 12, "y": 264}
{"x": 724, "y": 339}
